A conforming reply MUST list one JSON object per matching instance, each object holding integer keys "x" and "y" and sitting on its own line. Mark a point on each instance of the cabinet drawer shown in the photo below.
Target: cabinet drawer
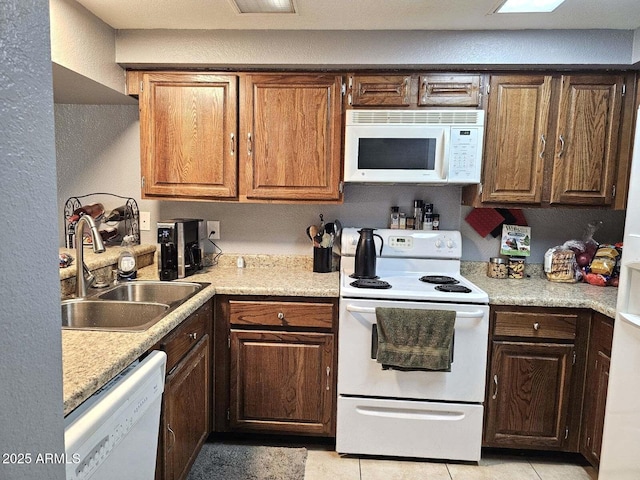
{"x": 177, "y": 344}
{"x": 281, "y": 314}
{"x": 380, "y": 90}
{"x": 449, "y": 90}
{"x": 536, "y": 325}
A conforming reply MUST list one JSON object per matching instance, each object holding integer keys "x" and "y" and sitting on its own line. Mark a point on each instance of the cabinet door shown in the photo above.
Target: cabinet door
{"x": 281, "y": 382}
{"x": 188, "y": 129}
{"x": 380, "y": 90}
{"x": 528, "y": 396}
{"x": 186, "y": 411}
{"x": 585, "y": 160}
{"x": 291, "y": 128}
{"x": 595, "y": 392}
{"x": 517, "y": 120}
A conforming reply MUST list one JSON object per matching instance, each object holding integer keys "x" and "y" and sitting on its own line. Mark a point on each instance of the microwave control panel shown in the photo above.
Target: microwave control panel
{"x": 465, "y": 152}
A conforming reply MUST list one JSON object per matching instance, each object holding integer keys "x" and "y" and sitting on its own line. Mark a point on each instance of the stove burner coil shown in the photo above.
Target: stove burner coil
{"x": 453, "y": 288}
{"x": 370, "y": 283}
{"x": 439, "y": 279}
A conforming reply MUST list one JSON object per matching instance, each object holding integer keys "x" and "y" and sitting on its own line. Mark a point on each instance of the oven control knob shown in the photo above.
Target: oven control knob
{"x": 450, "y": 244}
{"x": 438, "y": 243}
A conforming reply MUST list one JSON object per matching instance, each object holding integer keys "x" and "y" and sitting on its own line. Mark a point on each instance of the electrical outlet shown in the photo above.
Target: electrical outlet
{"x": 145, "y": 221}
{"x": 213, "y": 229}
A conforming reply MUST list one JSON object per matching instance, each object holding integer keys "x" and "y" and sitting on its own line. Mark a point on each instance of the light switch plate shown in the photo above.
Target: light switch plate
{"x": 145, "y": 221}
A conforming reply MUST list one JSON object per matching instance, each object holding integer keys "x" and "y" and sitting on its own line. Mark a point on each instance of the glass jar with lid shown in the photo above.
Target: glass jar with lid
{"x": 497, "y": 267}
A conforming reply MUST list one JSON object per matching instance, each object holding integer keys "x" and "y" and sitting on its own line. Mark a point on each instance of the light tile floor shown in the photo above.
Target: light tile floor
{"x": 323, "y": 464}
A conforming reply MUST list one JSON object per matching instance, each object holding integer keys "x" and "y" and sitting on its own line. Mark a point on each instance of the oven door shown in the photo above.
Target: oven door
{"x": 359, "y": 374}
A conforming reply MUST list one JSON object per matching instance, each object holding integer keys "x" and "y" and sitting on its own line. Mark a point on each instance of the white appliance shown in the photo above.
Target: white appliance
{"x": 620, "y": 456}
{"x": 114, "y": 433}
{"x": 423, "y": 414}
{"x": 413, "y": 146}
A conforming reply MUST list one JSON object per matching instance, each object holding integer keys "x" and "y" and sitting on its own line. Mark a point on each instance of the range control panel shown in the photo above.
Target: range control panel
{"x": 408, "y": 243}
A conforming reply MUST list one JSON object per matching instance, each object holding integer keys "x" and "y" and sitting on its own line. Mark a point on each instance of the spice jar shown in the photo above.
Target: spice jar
{"x": 516, "y": 267}
{"x": 497, "y": 267}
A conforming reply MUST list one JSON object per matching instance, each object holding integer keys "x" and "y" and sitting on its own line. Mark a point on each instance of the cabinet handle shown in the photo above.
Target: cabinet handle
{"x": 561, "y": 146}
{"x": 328, "y": 376}
{"x": 543, "y": 140}
{"x": 173, "y": 442}
{"x": 495, "y": 391}
{"x": 249, "y": 144}
{"x": 233, "y": 144}
{"x": 193, "y": 336}
{"x": 536, "y": 326}
{"x": 280, "y": 316}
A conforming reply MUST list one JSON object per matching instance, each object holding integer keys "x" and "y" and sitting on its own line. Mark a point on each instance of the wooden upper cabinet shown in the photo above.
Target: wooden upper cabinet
{"x": 380, "y": 90}
{"x": 517, "y": 120}
{"x": 556, "y": 140}
{"x": 291, "y": 136}
{"x": 584, "y": 166}
{"x": 188, "y": 133}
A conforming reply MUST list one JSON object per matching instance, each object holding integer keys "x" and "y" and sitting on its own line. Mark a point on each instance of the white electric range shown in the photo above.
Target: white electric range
{"x": 419, "y": 414}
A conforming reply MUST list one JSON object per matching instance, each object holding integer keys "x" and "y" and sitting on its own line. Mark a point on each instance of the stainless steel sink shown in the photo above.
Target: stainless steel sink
{"x": 170, "y": 293}
{"x": 130, "y": 306}
{"x": 111, "y": 315}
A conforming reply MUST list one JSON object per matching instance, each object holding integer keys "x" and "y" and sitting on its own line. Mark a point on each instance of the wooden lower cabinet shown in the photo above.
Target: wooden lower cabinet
{"x": 275, "y": 365}
{"x": 529, "y": 403}
{"x": 535, "y": 379}
{"x": 281, "y": 382}
{"x": 185, "y": 421}
{"x": 597, "y": 381}
{"x": 186, "y": 412}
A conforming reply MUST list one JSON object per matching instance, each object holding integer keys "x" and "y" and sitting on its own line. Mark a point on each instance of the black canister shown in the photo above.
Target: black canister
{"x": 322, "y": 258}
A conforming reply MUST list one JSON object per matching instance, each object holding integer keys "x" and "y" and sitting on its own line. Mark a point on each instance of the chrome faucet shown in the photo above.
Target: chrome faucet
{"x": 84, "y": 277}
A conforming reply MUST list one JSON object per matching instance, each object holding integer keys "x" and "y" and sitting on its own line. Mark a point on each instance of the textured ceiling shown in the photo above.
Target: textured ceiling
{"x": 364, "y": 15}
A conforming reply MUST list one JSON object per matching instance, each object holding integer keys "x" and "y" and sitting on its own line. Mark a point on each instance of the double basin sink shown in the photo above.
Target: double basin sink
{"x": 130, "y": 306}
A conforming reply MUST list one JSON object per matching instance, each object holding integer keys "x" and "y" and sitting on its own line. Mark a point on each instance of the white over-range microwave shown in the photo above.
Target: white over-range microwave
{"x": 413, "y": 146}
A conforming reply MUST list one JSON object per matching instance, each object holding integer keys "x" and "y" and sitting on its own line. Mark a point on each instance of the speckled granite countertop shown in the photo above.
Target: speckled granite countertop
{"x": 538, "y": 291}
{"x": 92, "y": 358}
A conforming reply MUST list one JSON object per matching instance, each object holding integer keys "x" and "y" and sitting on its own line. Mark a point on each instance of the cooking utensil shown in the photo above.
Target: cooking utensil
{"x": 313, "y": 232}
{"x": 337, "y": 228}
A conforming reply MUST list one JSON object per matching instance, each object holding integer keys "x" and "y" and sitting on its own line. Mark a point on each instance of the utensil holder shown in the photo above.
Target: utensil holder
{"x": 322, "y": 258}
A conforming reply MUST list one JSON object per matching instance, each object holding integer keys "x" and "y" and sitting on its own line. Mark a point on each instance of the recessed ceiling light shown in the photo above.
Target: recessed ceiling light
{"x": 528, "y": 6}
{"x": 264, "y": 6}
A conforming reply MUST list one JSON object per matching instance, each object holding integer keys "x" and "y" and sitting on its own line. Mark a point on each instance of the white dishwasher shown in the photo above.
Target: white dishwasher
{"x": 114, "y": 433}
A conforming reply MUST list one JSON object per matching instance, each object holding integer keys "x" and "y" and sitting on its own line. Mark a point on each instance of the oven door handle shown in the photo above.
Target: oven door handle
{"x": 471, "y": 314}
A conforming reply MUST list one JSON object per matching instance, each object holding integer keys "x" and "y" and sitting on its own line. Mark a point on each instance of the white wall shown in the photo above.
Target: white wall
{"x": 84, "y": 44}
{"x": 31, "y": 413}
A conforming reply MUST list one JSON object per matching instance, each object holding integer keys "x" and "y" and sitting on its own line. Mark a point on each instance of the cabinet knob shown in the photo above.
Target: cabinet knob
{"x": 280, "y": 316}
{"x": 536, "y": 326}
{"x": 193, "y": 336}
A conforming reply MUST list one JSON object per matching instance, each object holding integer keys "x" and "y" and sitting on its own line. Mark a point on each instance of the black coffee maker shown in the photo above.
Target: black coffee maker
{"x": 181, "y": 246}
{"x": 365, "y": 261}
